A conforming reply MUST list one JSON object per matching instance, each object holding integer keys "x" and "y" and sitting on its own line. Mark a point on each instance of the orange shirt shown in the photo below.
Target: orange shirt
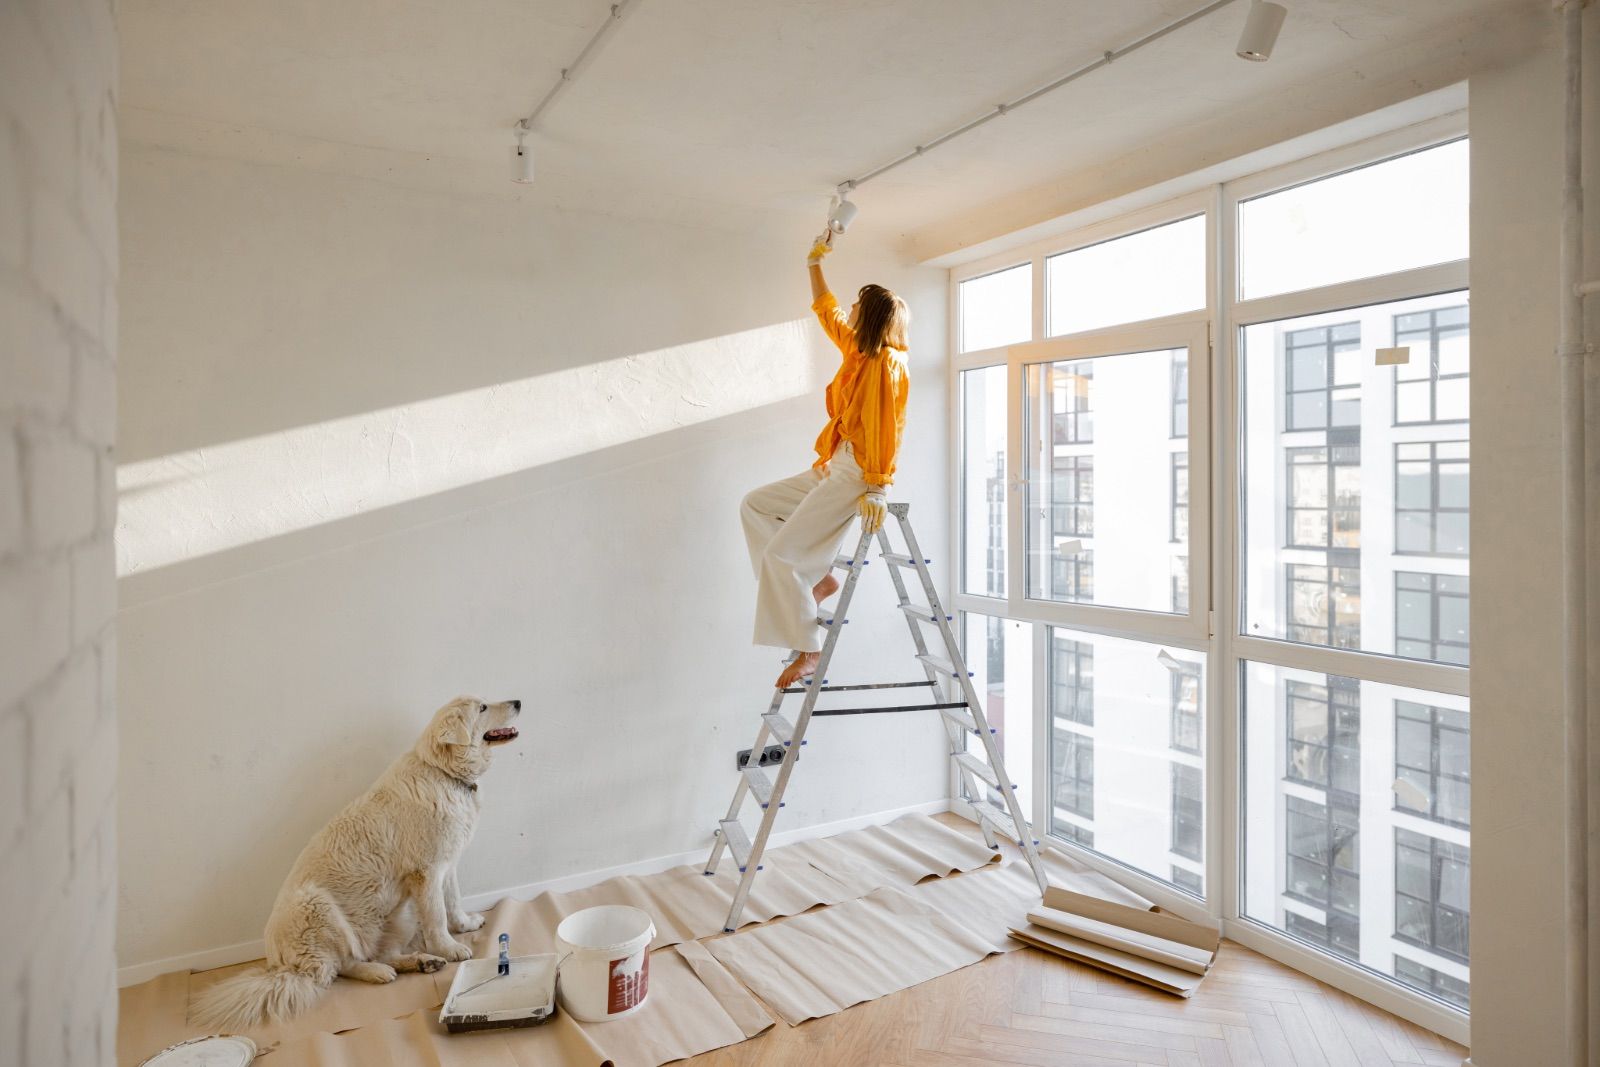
{"x": 866, "y": 399}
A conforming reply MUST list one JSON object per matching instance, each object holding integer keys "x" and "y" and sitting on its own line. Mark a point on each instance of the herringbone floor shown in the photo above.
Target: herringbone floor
{"x": 1027, "y": 1007}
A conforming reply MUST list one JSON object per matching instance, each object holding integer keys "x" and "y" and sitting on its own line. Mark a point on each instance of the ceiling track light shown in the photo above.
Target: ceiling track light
{"x": 1260, "y": 32}
{"x": 522, "y": 158}
{"x": 841, "y": 212}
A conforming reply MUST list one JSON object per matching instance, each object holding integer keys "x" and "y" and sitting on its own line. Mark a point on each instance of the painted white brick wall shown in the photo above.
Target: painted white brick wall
{"x": 58, "y": 387}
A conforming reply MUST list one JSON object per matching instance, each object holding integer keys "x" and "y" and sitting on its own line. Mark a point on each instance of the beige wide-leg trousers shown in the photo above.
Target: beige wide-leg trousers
{"x": 794, "y": 528}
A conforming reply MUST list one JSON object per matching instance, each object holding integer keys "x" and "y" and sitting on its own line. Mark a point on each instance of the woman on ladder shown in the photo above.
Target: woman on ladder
{"x": 795, "y": 527}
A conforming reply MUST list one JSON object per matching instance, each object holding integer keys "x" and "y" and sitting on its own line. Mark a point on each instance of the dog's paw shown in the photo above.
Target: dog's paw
{"x": 428, "y": 964}
{"x": 371, "y": 971}
{"x": 454, "y": 951}
{"x": 466, "y": 922}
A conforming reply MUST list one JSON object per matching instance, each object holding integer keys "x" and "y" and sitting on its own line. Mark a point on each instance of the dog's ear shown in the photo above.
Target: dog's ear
{"x": 455, "y": 730}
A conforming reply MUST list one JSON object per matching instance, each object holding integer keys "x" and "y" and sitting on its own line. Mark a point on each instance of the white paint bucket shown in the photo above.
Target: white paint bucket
{"x": 605, "y": 970}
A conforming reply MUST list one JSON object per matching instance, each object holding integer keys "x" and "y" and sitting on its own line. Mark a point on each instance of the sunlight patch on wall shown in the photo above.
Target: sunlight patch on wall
{"x": 190, "y": 504}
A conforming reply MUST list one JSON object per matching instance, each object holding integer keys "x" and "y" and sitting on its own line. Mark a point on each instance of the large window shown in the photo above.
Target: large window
{"x": 1430, "y": 893}
{"x": 1431, "y": 386}
{"x": 1312, "y": 572}
{"x": 1430, "y": 616}
{"x": 1430, "y": 501}
{"x": 1432, "y": 762}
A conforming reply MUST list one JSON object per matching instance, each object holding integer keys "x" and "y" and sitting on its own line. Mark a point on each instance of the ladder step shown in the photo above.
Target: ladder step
{"x": 976, "y": 766}
{"x": 760, "y": 784}
{"x": 738, "y": 841}
{"x": 1000, "y": 820}
{"x": 895, "y": 559}
{"x": 825, "y": 617}
{"x": 899, "y": 707}
{"x": 846, "y": 561}
{"x": 943, "y": 666}
{"x": 781, "y": 728}
{"x": 917, "y": 611}
{"x": 857, "y": 688}
{"x": 958, "y": 714}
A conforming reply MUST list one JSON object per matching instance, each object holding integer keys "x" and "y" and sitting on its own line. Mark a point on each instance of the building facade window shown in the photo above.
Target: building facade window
{"x": 1186, "y": 733}
{"x": 1081, "y": 835}
{"x": 1430, "y": 498}
{"x": 1073, "y": 756}
{"x": 1432, "y": 385}
{"x": 1324, "y": 604}
{"x": 1324, "y": 869}
{"x": 1073, "y": 416}
{"x": 1323, "y": 732}
{"x": 1324, "y": 502}
{"x": 1188, "y": 811}
{"x": 1180, "y": 395}
{"x": 1072, "y": 576}
{"x": 1341, "y": 934}
{"x": 1072, "y": 680}
{"x": 1433, "y": 762}
{"x": 1324, "y": 377}
{"x": 1419, "y": 976}
{"x": 1179, "y": 483}
{"x": 1430, "y": 616}
{"x": 1180, "y": 585}
{"x": 1072, "y": 496}
{"x": 1191, "y": 881}
{"x": 1430, "y": 893}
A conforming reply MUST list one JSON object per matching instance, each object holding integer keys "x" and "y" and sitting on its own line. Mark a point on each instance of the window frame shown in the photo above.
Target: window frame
{"x": 1214, "y": 570}
{"x": 1434, "y": 770}
{"x": 1434, "y": 508}
{"x": 1436, "y": 638}
{"x": 1433, "y": 377}
{"x": 1437, "y": 856}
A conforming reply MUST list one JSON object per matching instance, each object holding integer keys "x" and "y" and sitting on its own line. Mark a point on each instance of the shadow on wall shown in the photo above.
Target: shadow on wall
{"x": 193, "y": 504}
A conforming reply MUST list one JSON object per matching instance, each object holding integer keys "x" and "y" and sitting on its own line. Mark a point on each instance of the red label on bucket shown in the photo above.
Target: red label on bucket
{"x": 630, "y": 980}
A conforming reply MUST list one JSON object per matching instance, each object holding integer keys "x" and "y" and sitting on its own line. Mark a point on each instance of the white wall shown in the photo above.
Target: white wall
{"x": 1518, "y": 938}
{"x": 384, "y": 444}
{"x": 58, "y": 736}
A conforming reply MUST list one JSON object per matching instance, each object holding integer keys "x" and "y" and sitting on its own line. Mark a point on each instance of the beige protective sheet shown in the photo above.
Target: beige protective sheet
{"x": 694, "y": 1006}
{"x": 685, "y": 904}
{"x": 991, "y": 902}
{"x": 821, "y": 963}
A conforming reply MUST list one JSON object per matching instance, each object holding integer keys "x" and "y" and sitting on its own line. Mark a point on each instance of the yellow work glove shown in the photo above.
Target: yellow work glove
{"x": 819, "y": 248}
{"x": 872, "y": 507}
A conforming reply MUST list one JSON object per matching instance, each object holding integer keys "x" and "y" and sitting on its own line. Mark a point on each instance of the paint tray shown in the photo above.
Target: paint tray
{"x": 483, "y": 999}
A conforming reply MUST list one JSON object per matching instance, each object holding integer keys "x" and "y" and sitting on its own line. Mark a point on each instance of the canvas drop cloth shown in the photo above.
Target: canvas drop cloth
{"x": 822, "y": 963}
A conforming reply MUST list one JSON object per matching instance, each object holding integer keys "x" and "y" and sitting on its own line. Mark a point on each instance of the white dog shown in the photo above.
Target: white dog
{"x": 388, "y": 856}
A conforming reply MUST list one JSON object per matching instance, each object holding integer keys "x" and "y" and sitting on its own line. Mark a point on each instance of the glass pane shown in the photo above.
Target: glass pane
{"x": 983, "y": 481}
{"x": 1127, "y": 762}
{"x": 1354, "y": 863}
{"x": 999, "y": 654}
{"x": 1145, "y": 275}
{"x": 1105, "y": 422}
{"x": 997, "y": 309}
{"x": 1341, "y": 498}
{"x": 1395, "y": 215}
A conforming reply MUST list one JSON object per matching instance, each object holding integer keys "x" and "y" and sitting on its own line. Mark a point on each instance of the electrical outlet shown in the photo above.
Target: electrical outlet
{"x": 770, "y": 756}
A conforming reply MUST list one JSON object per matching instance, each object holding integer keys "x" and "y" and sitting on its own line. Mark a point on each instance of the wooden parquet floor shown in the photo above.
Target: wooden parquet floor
{"x": 1030, "y": 1008}
{"x": 1026, "y": 1007}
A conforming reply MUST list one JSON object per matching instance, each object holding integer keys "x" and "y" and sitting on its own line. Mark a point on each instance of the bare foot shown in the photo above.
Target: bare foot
{"x": 825, "y": 588}
{"x": 804, "y": 665}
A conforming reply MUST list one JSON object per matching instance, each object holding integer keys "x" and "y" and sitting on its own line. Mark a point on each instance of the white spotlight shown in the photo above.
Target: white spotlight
{"x": 843, "y": 213}
{"x": 1261, "y": 30}
{"x": 521, "y": 159}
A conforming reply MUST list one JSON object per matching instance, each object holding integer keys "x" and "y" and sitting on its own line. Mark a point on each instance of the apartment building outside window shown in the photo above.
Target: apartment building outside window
{"x": 1430, "y": 893}
{"x": 1433, "y": 763}
{"x": 1430, "y": 616}
{"x": 1431, "y": 386}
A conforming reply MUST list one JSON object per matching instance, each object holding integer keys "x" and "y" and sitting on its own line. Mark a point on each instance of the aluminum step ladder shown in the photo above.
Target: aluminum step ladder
{"x": 952, "y": 695}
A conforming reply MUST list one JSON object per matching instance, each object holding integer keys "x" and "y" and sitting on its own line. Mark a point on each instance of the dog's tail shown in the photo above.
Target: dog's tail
{"x": 247, "y": 1000}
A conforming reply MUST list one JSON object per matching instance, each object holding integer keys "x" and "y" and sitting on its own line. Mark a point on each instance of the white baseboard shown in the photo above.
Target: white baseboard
{"x": 245, "y": 951}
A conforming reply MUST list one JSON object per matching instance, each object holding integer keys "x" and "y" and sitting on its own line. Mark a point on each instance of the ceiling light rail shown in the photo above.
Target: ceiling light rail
{"x": 1106, "y": 58}
{"x": 521, "y": 154}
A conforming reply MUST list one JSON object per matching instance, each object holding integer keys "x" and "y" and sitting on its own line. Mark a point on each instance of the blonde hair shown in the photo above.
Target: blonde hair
{"x": 883, "y": 321}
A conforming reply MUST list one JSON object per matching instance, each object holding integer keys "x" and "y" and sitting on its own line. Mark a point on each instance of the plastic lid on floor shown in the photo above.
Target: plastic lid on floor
{"x": 205, "y": 1052}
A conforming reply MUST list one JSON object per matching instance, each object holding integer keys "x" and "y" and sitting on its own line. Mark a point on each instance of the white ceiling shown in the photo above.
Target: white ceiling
{"x": 763, "y": 105}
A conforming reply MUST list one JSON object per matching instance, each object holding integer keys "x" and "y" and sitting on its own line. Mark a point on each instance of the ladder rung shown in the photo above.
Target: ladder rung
{"x": 943, "y": 666}
{"x": 825, "y": 617}
{"x": 738, "y": 841}
{"x": 857, "y": 688}
{"x": 895, "y": 559}
{"x": 918, "y": 611}
{"x": 1000, "y": 820}
{"x": 958, "y": 714}
{"x": 781, "y": 728}
{"x": 977, "y": 767}
{"x": 872, "y": 711}
{"x": 846, "y": 561}
{"x": 760, "y": 785}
